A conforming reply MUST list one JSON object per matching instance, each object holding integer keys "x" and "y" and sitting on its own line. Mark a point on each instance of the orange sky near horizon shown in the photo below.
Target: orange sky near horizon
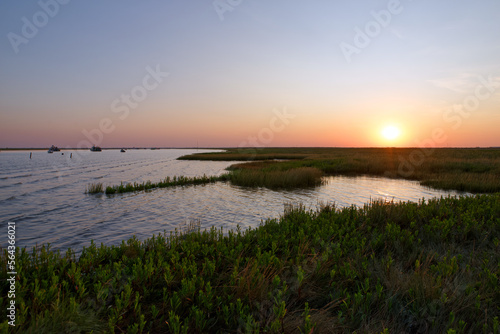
{"x": 175, "y": 74}
{"x": 301, "y": 131}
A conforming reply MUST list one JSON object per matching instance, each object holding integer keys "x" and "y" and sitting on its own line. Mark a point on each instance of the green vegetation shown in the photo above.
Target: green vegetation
{"x": 298, "y": 177}
{"x": 430, "y": 267}
{"x": 293, "y": 178}
{"x": 249, "y": 154}
{"x": 95, "y": 188}
{"x": 471, "y": 170}
{"x": 167, "y": 182}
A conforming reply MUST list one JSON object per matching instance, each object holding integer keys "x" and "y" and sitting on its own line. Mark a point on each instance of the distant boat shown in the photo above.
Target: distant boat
{"x": 53, "y": 149}
{"x": 122, "y": 150}
{"x": 95, "y": 149}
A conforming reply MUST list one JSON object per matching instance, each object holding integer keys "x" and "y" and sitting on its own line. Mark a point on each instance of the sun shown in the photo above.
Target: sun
{"x": 391, "y": 132}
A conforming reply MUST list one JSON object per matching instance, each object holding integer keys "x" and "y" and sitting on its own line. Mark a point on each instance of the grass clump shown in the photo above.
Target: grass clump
{"x": 148, "y": 185}
{"x": 429, "y": 267}
{"x": 94, "y": 188}
{"x": 293, "y": 178}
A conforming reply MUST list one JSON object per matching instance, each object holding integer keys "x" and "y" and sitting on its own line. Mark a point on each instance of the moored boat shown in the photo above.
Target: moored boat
{"x": 53, "y": 149}
{"x": 95, "y": 149}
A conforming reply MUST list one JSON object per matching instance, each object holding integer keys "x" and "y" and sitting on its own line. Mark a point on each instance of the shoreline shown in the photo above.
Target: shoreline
{"x": 423, "y": 266}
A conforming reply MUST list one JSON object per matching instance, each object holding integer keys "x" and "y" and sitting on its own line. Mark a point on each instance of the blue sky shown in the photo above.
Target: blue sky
{"x": 227, "y": 76}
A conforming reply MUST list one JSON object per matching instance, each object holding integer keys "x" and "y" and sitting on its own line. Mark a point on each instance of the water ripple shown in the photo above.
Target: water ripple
{"x": 50, "y": 204}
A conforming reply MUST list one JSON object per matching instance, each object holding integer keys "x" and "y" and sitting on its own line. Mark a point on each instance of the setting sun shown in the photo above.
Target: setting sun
{"x": 391, "y": 132}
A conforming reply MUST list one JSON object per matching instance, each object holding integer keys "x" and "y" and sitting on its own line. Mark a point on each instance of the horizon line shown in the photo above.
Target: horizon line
{"x": 246, "y": 148}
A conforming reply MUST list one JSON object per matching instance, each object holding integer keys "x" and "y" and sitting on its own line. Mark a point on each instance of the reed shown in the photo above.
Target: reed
{"x": 148, "y": 185}
{"x": 94, "y": 188}
{"x": 243, "y": 155}
{"x": 293, "y": 178}
{"x": 428, "y": 267}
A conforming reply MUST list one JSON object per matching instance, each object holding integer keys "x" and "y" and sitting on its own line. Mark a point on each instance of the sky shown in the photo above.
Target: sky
{"x": 236, "y": 73}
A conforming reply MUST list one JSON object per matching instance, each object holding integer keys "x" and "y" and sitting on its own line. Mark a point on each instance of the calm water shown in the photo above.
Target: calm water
{"x": 45, "y": 196}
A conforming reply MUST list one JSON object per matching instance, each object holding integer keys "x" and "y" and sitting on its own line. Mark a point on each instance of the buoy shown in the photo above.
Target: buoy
{"x": 71, "y": 156}
{"x": 31, "y": 154}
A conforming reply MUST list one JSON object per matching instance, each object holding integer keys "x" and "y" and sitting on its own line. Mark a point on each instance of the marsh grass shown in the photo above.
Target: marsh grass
{"x": 148, "y": 185}
{"x": 293, "y": 178}
{"x": 429, "y": 267}
{"x": 190, "y": 226}
{"x": 470, "y": 182}
{"x": 471, "y": 170}
{"x": 247, "y": 155}
{"x": 276, "y": 179}
{"x": 94, "y": 188}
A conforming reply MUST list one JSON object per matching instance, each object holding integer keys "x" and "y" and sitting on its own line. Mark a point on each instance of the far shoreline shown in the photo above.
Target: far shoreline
{"x": 228, "y": 148}
{"x": 112, "y": 148}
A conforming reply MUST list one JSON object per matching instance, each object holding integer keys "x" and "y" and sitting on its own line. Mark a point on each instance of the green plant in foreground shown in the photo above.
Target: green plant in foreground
{"x": 427, "y": 267}
{"x": 308, "y": 325}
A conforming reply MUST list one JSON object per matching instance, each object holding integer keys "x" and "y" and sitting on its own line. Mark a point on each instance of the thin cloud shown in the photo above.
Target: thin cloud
{"x": 461, "y": 83}
{"x": 397, "y": 33}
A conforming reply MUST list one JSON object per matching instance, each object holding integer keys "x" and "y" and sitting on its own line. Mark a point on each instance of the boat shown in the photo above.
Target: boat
{"x": 53, "y": 149}
{"x": 122, "y": 150}
{"x": 95, "y": 149}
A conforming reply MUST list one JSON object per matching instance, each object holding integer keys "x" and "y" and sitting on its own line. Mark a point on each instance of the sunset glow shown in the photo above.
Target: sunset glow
{"x": 261, "y": 143}
{"x": 173, "y": 74}
{"x": 391, "y": 132}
